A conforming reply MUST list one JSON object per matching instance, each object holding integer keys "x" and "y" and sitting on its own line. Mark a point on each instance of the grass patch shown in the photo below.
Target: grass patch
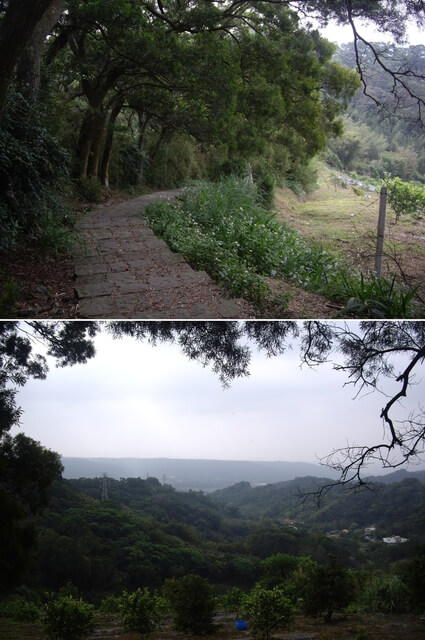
{"x": 224, "y": 229}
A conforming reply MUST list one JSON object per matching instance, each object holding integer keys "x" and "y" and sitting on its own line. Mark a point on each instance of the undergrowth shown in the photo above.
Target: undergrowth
{"x": 224, "y": 229}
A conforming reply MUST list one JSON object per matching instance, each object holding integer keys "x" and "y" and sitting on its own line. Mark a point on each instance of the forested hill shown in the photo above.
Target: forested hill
{"x": 394, "y": 506}
{"x": 206, "y": 475}
{"x": 386, "y": 139}
{"x": 145, "y": 531}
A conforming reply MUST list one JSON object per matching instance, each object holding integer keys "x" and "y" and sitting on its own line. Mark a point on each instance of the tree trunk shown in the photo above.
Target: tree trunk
{"x": 98, "y": 136}
{"x": 107, "y": 148}
{"x": 144, "y": 122}
{"x": 86, "y": 136}
{"x": 29, "y": 65}
{"x": 16, "y": 29}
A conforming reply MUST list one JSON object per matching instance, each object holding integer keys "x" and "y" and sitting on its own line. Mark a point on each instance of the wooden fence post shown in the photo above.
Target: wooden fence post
{"x": 381, "y": 230}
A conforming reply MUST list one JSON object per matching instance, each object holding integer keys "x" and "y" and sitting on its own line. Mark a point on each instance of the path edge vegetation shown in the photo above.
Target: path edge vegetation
{"x": 228, "y": 229}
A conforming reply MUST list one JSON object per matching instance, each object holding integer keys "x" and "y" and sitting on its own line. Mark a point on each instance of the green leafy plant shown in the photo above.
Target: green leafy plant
{"x": 9, "y": 291}
{"x": 377, "y": 298}
{"x": 385, "y": 594}
{"x": 192, "y": 603}
{"x": 224, "y": 229}
{"x": 67, "y": 618}
{"x": 232, "y": 600}
{"x": 90, "y": 190}
{"x": 33, "y": 169}
{"x": 405, "y": 197}
{"x": 20, "y": 609}
{"x": 268, "y": 610}
{"x": 140, "y": 611}
{"x": 111, "y": 605}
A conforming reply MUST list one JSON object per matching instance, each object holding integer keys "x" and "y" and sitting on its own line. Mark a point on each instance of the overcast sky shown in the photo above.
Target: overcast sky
{"x": 341, "y": 34}
{"x": 135, "y": 400}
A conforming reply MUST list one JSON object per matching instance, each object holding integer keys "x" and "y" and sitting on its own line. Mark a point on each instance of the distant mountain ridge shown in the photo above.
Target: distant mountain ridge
{"x": 206, "y": 475}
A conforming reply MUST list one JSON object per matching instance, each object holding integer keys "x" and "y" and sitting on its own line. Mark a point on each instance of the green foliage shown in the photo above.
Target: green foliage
{"x": 33, "y": 168}
{"x": 376, "y": 141}
{"x": 28, "y": 469}
{"x": 177, "y": 162}
{"x": 66, "y": 618}
{"x": 9, "y": 291}
{"x": 375, "y": 297}
{"x": 90, "y": 190}
{"x": 265, "y": 179}
{"x": 384, "y": 594}
{"x": 131, "y": 164}
{"x": 10, "y": 227}
{"x": 140, "y": 611}
{"x": 413, "y": 574}
{"x": 267, "y": 610}
{"x": 404, "y": 197}
{"x": 20, "y": 609}
{"x": 223, "y": 229}
{"x": 110, "y": 605}
{"x": 330, "y": 589}
{"x": 232, "y": 601}
{"x": 192, "y": 603}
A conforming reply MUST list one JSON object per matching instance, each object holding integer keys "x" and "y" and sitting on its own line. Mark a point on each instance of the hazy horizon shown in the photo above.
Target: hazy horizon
{"x": 136, "y": 400}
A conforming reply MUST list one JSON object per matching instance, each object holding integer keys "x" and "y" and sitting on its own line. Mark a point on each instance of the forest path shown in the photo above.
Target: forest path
{"x": 123, "y": 270}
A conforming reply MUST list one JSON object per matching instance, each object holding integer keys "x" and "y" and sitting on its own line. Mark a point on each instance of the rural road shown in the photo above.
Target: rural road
{"x": 123, "y": 270}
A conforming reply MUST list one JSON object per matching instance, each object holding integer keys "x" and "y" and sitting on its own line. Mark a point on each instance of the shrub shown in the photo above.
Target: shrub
{"x": 375, "y": 297}
{"x": 33, "y": 169}
{"x": 132, "y": 163}
{"x": 9, "y": 291}
{"x": 405, "y": 197}
{"x": 330, "y": 589}
{"x": 265, "y": 180}
{"x": 232, "y": 600}
{"x": 141, "y": 611}
{"x": 267, "y": 610}
{"x": 192, "y": 603}
{"x": 90, "y": 190}
{"x": 385, "y": 594}
{"x": 20, "y": 609}
{"x": 110, "y": 605}
{"x": 67, "y": 618}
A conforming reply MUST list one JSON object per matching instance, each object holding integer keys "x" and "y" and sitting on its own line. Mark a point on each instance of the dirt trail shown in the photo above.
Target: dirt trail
{"x": 124, "y": 271}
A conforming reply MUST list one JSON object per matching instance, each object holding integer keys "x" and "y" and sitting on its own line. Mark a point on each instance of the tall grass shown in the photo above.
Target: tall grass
{"x": 224, "y": 229}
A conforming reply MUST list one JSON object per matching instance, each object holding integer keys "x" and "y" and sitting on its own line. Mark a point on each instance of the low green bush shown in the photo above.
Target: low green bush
{"x": 224, "y": 229}
{"x": 20, "y": 609}
{"x": 268, "y": 610}
{"x": 191, "y": 600}
{"x": 385, "y": 594}
{"x": 90, "y": 190}
{"x": 375, "y": 297}
{"x": 67, "y": 618}
{"x": 140, "y": 611}
{"x": 34, "y": 169}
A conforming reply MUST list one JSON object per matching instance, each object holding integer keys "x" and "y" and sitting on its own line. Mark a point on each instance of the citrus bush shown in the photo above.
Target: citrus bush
{"x": 191, "y": 600}
{"x": 140, "y": 611}
{"x": 67, "y": 618}
{"x": 268, "y": 610}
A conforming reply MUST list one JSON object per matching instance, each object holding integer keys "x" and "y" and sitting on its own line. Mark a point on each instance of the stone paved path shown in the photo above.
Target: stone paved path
{"x": 124, "y": 271}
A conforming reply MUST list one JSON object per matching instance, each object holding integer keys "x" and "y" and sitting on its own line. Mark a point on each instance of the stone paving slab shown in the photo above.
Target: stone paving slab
{"x": 123, "y": 270}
